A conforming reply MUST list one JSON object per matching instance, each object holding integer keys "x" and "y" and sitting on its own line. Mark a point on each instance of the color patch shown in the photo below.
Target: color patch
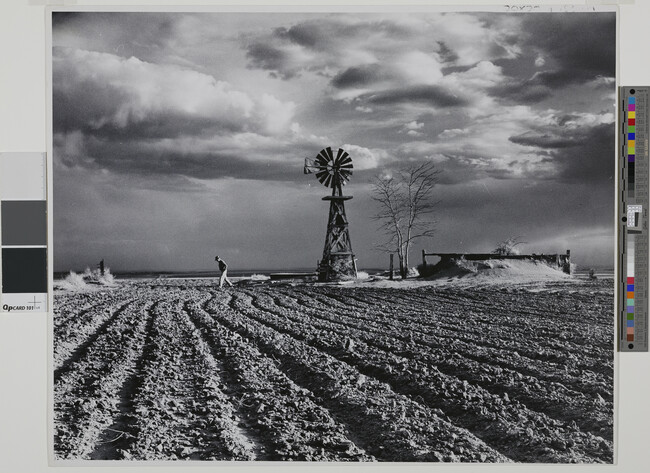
{"x": 631, "y": 100}
{"x": 24, "y": 222}
{"x": 630, "y": 280}
{"x": 24, "y": 270}
{"x": 631, "y": 114}
{"x": 631, "y": 136}
{"x": 631, "y": 108}
{"x": 630, "y": 323}
{"x": 630, "y": 287}
{"x": 630, "y": 126}
{"x": 630, "y": 295}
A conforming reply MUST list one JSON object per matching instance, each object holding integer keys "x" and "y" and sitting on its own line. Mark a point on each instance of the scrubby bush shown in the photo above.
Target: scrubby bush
{"x": 426, "y": 270}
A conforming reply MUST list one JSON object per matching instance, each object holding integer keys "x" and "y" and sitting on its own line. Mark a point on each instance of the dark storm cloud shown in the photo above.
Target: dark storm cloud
{"x": 584, "y": 154}
{"x": 573, "y": 48}
{"x": 61, "y": 19}
{"x": 357, "y": 76}
{"x": 144, "y": 34}
{"x": 276, "y": 60}
{"x": 581, "y": 43}
{"x": 324, "y": 33}
{"x": 521, "y": 92}
{"x": 446, "y": 53}
{"x": 280, "y": 52}
{"x": 547, "y": 140}
{"x": 147, "y": 159}
{"x": 423, "y": 94}
{"x": 89, "y": 107}
{"x": 592, "y": 162}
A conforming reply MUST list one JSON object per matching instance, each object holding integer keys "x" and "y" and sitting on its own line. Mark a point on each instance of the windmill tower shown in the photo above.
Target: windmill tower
{"x": 338, "y": 260}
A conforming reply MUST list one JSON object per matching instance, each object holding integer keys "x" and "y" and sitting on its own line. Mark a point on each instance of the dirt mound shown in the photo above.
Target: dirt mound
{"x": 497, "y": 271}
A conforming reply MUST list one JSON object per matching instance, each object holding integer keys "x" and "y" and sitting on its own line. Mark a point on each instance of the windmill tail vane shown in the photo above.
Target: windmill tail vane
{"x": 310, "y": 167}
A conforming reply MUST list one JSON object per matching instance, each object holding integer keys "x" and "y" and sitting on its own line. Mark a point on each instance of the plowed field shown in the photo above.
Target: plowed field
{"x": 168, "y": 370}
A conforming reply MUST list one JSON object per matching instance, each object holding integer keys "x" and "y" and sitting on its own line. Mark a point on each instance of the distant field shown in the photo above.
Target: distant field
{"x": 178, "y": 369}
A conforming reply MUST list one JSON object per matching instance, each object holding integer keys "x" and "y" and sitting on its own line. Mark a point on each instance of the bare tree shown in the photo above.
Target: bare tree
{"x": 406, "y": 208}
{"x": 507, "y": 247}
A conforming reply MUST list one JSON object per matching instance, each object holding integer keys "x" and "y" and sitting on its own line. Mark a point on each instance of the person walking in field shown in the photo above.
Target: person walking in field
{"x": 223, "y": 267}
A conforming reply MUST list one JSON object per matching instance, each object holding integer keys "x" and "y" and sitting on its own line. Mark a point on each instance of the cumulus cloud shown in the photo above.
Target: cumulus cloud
{"x": 452, "y": 133}
{"x": 100, "y": 91}
{"x": 128, "y": 115}
{"x": 412, "y": 128}
{"x": 364, "y": 159}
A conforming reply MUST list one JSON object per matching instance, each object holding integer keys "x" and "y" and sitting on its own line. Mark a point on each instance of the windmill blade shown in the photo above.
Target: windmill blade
{"x": 320, "y": 175}
{"x": 346, "y": 166}
{"x": 328, "y": 180}
{"x": 346, "y": 175}
{"x": 341, "y": 156}
{"x": 322, "y": 160}
{"x": 346, "y": 162}
{"x": 329, "y": 153}
{"x": 323, "y": 157}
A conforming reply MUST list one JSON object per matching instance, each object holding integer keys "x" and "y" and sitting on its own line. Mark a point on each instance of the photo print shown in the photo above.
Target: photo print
{"x": 344, "y": 236}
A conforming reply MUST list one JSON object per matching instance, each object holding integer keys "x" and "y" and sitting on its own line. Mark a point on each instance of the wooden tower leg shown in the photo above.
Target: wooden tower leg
{"x": 338, "y": 260}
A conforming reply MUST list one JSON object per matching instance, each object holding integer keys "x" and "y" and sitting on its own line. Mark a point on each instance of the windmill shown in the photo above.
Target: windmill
{"x": 338, "y": 260}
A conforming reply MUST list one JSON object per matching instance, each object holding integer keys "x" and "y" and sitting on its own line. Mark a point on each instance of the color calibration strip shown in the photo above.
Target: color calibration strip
{"x": 633, "y": 213}
{"x": 23, "y": 232}
{"x": 629, "y": 326}
{"x": 631, "y": 143}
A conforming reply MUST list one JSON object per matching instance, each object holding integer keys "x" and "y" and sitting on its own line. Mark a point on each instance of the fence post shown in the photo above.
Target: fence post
{"x": 391, "y": 267}
{"x": 424, "y": 258}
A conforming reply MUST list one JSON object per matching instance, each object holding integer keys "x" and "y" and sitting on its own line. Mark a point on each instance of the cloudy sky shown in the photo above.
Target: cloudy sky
{"x": 181, "y": 136}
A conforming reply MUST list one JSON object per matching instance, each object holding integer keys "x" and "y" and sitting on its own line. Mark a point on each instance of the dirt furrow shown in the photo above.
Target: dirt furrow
{"x": 115, "y": 440}
{"x": 70, "y": 347}
{"x": 444, "y": 318}
{"x": 552, "y": 399}
{"x": 279, "y": 414}
{"x": 87, "y": 396}
{"x": 176, "y": 409}
{"x": 455, "y": 406}
{"x": 480, "y": 350}
{"x": 388, "y": 425}
{"x": 579, "y": 317}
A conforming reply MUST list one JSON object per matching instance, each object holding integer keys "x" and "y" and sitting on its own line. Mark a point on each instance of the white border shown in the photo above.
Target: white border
{"x": 23, "y": 346}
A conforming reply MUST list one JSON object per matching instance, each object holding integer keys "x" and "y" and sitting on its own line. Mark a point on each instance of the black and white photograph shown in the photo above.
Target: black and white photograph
{"x": 369, "y": 236}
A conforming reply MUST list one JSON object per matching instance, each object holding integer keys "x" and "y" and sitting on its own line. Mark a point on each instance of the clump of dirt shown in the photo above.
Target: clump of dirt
{"x": 90, "y": 280}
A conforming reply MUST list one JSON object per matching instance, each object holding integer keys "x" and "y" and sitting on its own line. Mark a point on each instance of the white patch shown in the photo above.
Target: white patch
{"x": 418, "y": 68}
{"x": 453, "y": 133}
{"x": 365, "y": 158}
{"x": 414, "y": 125}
